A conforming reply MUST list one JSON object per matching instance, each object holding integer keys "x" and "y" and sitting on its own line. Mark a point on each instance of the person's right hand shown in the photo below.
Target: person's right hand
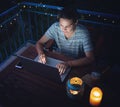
{"x": 62, "y": 67}
{"x": 42, "y": 58}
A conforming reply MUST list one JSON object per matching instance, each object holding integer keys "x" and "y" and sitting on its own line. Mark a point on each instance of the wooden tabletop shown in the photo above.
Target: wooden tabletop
{"x": 19, "y": 87}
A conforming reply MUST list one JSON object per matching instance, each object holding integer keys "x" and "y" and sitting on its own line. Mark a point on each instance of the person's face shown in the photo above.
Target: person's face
{"x": 66, "y": 25}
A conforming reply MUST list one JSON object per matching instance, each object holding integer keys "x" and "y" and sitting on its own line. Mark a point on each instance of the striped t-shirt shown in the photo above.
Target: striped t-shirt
{"x": 76, "y": 45}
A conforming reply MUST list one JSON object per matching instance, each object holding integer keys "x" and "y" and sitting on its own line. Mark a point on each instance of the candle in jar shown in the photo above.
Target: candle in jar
{"x": 95, "y": 96}
{"x": 75, "y": 82}
{"x": 75, "y": 87}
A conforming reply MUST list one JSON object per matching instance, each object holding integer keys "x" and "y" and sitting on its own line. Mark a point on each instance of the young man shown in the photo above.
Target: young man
{"x": 72, "y": 39}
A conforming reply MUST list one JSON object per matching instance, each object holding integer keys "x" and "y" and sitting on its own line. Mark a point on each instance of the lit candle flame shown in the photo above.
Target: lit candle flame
{"x": 95, "y": 96}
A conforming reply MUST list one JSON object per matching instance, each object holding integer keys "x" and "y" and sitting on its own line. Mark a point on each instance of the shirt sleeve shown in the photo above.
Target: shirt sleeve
{"x": 87, "y": 43}
{"x": 51, "y": 32}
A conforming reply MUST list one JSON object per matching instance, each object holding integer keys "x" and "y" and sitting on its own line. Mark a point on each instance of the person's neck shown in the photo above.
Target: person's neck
{"x": 70, "y": 34}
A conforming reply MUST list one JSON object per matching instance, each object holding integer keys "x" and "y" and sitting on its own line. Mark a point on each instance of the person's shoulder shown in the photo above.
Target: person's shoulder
{"x": 82, "y": 27}
{"x": 82, "y": 31}
{"x": 55, "y": 24}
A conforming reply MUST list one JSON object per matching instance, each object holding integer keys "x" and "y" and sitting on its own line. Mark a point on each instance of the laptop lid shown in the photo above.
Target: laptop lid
{"x": 45, "y": 70}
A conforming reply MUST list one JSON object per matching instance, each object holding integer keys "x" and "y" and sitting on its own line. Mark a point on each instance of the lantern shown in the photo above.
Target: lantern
{"x": 75, "y": 87}
{"x": 95, "y": 96}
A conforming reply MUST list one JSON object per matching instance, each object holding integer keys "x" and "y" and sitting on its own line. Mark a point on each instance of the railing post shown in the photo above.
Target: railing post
{"x": 36, "y": 25}
{"x": 30, "y": 27}
{"x": 22, "y": 26}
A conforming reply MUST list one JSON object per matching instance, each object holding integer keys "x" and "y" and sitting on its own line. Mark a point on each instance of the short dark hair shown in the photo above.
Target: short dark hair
{"x": 68, "y": 13}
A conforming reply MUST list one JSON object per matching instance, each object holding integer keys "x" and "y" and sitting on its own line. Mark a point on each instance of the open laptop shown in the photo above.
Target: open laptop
{"x": 48, "y": 70}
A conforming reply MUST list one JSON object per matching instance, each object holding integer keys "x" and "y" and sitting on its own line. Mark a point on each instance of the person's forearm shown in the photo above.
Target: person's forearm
{"x": 80, "y": 62}
{"x": 40, "y": 48}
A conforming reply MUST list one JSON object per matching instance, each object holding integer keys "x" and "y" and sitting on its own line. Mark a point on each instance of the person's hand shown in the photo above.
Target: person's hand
{"x": 42, "y": 58}
{"x": 62, "y": 67}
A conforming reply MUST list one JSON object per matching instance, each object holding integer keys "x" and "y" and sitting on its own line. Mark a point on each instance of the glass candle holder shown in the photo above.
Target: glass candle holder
{"x": 75, "y": 87}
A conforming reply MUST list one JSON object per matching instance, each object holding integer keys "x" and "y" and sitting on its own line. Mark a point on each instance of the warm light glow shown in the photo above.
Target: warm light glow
{"x": 76, "y": 80}
{"x": 75, "y": 87}
{"x": 74, "y": 92}
{"x": 96, "y": 96}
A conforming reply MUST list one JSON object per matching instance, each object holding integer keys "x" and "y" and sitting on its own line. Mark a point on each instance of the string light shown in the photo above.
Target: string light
{"x": 98, "y": 16}
{"x": 83, "y": 17}
{"x": 18, "y": 3}
{"x": 10, "y": 23}
{"x": 43, "y": 5}
{"x": 17, "y": 14}
{"x": 105, "y": 19}
{"x": 59, "y": 8}
{"x": 113, "y": 21}
{"x": 89, "y": 14}
{"x": 1, "y": 26}
{"x": 20, "y": 9}
{"x": 14, "y": 19}
{"x": 45, "y": 13}
{"x": 24, "y": 6}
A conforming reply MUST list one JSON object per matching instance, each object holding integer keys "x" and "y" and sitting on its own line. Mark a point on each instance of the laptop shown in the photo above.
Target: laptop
{"x": 48, "y": 70}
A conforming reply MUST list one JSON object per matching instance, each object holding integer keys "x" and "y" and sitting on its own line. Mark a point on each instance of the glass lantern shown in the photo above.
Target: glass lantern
{"x": 75, "y": 87}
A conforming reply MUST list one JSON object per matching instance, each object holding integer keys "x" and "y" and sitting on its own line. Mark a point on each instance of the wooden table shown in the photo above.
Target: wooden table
{"x": 19, "y": 87}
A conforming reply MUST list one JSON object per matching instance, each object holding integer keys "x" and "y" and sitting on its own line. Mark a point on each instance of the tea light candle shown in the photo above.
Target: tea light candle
{"x": 95, "y": 96}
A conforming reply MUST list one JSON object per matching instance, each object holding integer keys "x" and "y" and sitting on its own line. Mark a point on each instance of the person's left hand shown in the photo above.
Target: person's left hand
{"x": 62, "y": 67}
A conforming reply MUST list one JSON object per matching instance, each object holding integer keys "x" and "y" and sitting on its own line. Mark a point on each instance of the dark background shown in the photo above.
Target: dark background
{"x": 107, "y": 6}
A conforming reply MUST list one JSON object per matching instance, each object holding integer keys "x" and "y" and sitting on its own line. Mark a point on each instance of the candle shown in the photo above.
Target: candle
{"x": 75, "y": 87}
{"x": 95, "y": 96}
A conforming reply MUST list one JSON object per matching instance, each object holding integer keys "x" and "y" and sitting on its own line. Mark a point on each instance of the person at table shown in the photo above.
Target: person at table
{"x": 72, "y": 40}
